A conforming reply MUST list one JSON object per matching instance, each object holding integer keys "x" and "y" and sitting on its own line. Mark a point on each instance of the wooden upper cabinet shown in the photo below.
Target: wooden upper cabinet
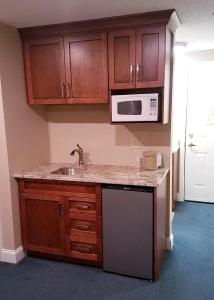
{"x": 79, "y": 62}
{"x": 150, "y": 57}
{"x": 137, "y": 58}
{"x": 43, "y": 224}
{"x": 86, "y": 68}
{"x": 121, "y": 48}
{"x": 45, "y": 70}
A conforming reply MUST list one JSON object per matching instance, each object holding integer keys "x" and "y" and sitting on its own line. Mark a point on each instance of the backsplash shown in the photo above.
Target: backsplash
{"x": 102, "y": 142}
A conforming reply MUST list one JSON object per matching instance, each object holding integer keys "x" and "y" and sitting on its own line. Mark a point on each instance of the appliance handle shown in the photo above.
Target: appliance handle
{"x": 128, "y": 188}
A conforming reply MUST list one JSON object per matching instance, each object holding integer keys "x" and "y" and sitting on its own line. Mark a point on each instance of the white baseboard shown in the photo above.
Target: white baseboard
{"x": 172, "y": 216}
{"x": 12, "y": 256}
{"x": 170, "y": 242}
{"x": 180, "y": 198}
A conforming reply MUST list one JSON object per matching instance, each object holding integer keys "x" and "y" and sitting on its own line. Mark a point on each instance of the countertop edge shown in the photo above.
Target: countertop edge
{"x": 102, "y": 180}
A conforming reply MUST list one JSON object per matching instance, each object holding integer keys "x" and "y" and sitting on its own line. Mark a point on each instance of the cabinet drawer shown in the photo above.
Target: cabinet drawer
{"x": 84, "y": 225}
{"x": 83, "y": 205}
{"x": 89, "y": 190}
{"x": 82, "y": 239}
{"x": 83, "y": 228}
{"x": 84, "y": 249}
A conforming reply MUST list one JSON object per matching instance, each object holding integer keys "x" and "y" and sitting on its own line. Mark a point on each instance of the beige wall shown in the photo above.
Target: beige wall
{"x": 23, "y": 133}
{"x": 103, "y": 143}
{"x": 6, "y": 226}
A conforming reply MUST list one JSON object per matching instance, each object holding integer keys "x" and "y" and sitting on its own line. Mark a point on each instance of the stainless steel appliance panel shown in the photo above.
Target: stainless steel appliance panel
{"x": 128, "y": 231}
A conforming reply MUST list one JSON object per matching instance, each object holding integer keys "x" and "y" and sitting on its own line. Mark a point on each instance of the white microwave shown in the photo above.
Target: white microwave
{"x": 135, "y": 108}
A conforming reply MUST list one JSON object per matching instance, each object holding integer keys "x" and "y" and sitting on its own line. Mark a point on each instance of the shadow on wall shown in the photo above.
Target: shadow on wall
{"x": 153, "y": 135}
{"x": 96, "y": 113}
{"x": 136, "y": 134}
{"x": 40, "y": 110}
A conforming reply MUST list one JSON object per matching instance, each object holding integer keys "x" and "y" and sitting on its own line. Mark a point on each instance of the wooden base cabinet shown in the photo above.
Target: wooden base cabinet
{"x": 61, "y": 219}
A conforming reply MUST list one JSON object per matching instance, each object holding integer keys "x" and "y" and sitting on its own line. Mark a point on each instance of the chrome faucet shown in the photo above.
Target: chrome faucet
{"x": 80, "y": 152}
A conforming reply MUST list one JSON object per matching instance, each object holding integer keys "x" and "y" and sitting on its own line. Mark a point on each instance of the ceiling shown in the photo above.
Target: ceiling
{"x": 197, "y": 17}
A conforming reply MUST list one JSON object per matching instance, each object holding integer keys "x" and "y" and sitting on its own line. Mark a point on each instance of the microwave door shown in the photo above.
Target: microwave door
{"x": 129, "y": 108}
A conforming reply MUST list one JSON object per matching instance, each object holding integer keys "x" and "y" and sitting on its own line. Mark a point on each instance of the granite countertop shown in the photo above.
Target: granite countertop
{"x": 110, "y": 174}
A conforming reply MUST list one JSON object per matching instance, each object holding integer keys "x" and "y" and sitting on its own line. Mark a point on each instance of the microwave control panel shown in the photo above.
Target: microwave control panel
{"x": 153, "y": 109}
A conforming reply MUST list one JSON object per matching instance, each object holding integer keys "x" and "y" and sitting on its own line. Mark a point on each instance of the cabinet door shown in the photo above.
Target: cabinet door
{"x": 42, "y": 223}
{"x": 150, "y": 57}
{"x": 121, "y": 47}
{"x": 86, "y": 68}
{"x": 45, "y": 70}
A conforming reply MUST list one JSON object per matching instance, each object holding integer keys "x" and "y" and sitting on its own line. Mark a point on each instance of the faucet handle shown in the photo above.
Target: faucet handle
{"x": 80, "y": 149}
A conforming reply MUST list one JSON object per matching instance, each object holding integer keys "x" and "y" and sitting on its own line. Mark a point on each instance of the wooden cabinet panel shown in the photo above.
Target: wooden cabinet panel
{"x": 43, "y": 224}
{"x": 150, "y": 57}
{"x": 86, "y": 68}
{"x": 121, "y": 48}
{"x": 45, "y": 71}
{"x": 137, "y": 58}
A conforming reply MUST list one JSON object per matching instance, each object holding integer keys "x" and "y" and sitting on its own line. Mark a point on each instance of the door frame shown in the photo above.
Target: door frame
{"x": 178, "y": 135}
{"x": 194, "y": 56}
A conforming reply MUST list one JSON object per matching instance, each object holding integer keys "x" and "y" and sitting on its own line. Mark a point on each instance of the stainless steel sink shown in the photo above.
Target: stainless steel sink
{"x": 72, "y": 171}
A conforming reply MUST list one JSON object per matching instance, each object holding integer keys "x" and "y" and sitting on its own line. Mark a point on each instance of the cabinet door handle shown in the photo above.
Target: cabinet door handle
{"x": 82, "y": 206}
{"x": 84, "y": 249}
{"x": 62, "y": 90}
{"x": 131, "y": 73}
{"x": 83, "y": 226}
{"x": 68, "y": 91}
{"x": 61, "y": 209}
{"x": 138, "y": 72}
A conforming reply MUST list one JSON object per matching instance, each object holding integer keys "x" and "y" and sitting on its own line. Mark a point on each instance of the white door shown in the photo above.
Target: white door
{"x": 199, "y": 161}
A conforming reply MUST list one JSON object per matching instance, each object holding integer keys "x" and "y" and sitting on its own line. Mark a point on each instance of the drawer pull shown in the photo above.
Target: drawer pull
{"x": 82, "y": 206}
{"x": 68, "y": 91}
{"x": 83, "y": 226}
{"x": 84, "y": 249}
{"x": 62, "y": 90}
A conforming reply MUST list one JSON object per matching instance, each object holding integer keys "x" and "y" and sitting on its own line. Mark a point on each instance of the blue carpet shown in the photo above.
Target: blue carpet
{"x": 187, "y": 272}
